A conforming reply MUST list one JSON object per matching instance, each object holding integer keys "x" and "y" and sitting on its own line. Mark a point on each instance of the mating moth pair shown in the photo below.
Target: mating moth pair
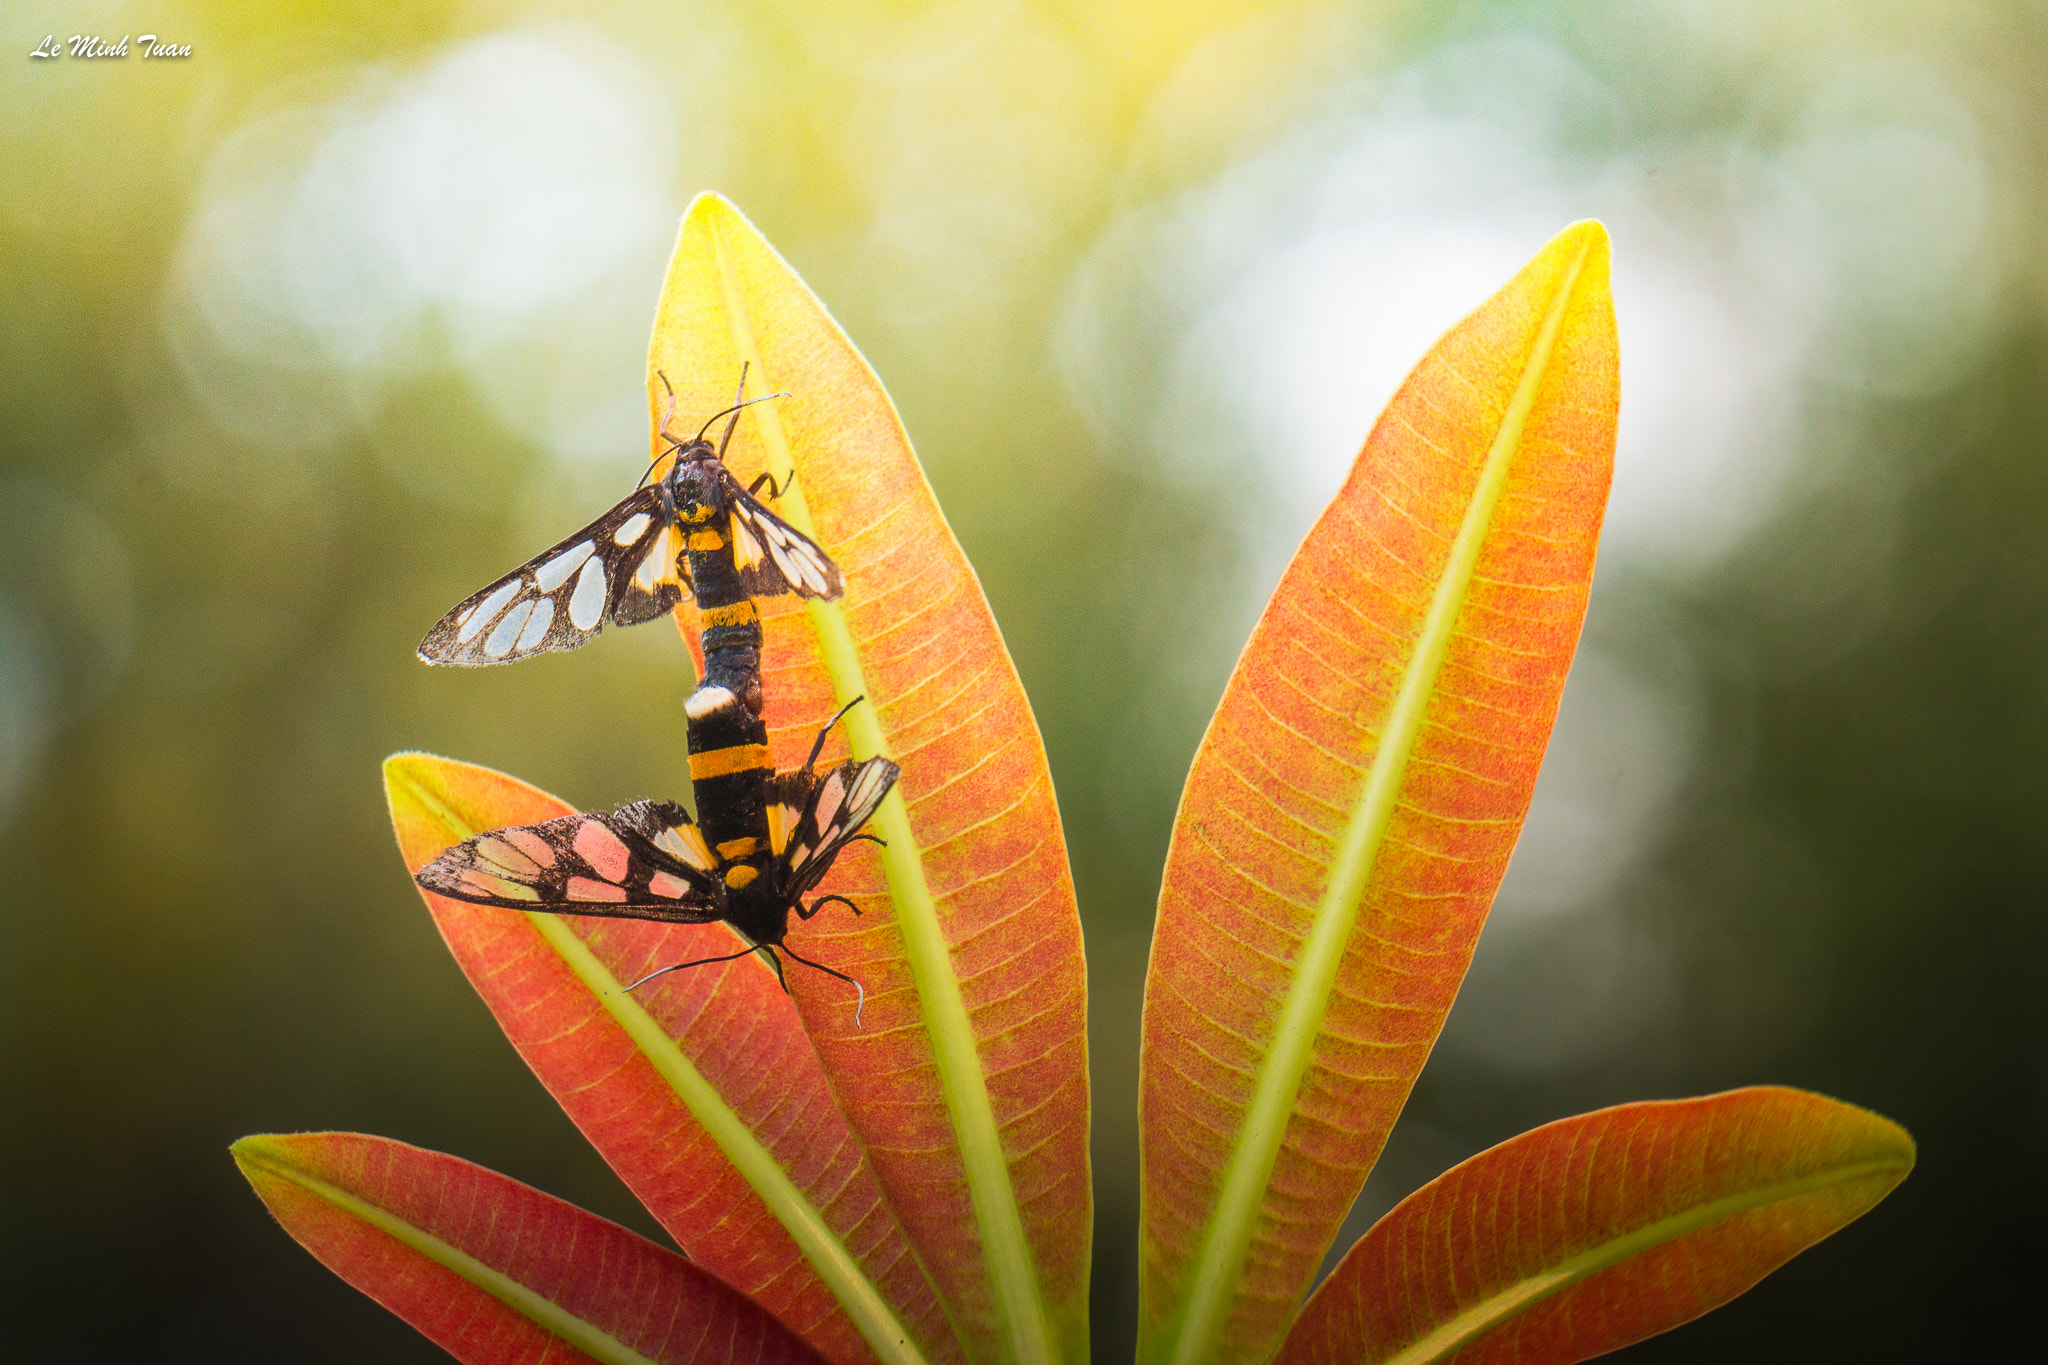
{"x": 762, "y": 840}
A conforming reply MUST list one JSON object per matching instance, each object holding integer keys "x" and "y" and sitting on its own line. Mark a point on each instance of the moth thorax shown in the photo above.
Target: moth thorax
{"x": 698, "y": 491}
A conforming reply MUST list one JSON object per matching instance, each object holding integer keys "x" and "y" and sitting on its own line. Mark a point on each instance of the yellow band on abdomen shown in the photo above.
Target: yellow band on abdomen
{"x": 724, "y": 762}
{"x": 740, "y": 613}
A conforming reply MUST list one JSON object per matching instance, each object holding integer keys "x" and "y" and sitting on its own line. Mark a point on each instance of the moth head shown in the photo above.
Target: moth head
{"x": 694, "y": 481}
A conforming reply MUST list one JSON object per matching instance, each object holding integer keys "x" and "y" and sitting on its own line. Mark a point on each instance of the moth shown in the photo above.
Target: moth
{"x": 649, "y": 860}
{"x": 629, "y": 565}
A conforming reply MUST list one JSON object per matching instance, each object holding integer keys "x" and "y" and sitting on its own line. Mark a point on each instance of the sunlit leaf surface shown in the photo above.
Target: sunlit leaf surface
{"x": 495, "y": 1271}
{"x": 1590, "y": 1233}
{"x": 968, "y": 1084}
{"x": 699, "y": 1088}
{"x": 1351, "y": 810}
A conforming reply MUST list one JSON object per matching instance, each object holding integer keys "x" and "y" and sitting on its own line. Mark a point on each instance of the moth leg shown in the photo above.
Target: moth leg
{"x": 860, "y": 1005}
{"x": 871, "y": 838}
{"x": 819, "y": 747}
{"x": 700, "y": 962}
{"x": 819, "y": 904}
{"x": 768, "y": 480}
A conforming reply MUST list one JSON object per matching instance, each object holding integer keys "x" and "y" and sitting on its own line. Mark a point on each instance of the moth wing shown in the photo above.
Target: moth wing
{"x": 621, "y": 568}
{"x": 836, "y": 806}
{"x": 773, "y": 556}
{"x": 645, "y": 860}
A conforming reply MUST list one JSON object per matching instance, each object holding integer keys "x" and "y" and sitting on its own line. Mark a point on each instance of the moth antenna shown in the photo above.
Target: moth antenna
{"x": 738, "y": 400}
{"x": 666, "y": 414}
{"x": 821, "y": 902}
{"x": 819, "y": 747}
{"x": 734, "y": 409}
{"x": 859, "y": 1005}
{"x": 700, "y": 962}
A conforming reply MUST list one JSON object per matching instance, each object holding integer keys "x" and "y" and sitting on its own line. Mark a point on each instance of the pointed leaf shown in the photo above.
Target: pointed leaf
{"x": 1587, "y": 1234}
{"x": 1352, "y": 808}
{"x": 495, "y": 1271}
{"x": 968, "y": 1084}
{"x": 699, "y": 1088}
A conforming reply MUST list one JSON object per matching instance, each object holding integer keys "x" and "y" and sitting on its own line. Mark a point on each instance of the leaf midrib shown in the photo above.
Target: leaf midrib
{"x": 1212, "y": 1283}
{"x": 1006, "y": 1251}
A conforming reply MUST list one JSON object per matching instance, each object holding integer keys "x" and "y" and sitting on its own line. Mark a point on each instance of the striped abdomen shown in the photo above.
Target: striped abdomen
{"x": 730, "y": 768}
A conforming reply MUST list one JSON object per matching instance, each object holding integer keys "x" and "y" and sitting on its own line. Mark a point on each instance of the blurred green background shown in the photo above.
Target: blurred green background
{"x": 307, "y": 336}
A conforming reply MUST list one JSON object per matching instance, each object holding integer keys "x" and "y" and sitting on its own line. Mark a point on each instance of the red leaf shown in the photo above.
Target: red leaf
{"x": 495, "y": 1271}
{"x": 1590, "y": 1233}
{"x": 1352, "y": 808}
{"x": 700, "y": 1088}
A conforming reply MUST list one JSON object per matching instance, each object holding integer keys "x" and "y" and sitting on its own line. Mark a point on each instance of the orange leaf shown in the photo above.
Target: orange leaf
{"x": 700, "y": 1088}
{"x": 1593, "y": 1232}
{"x": 1351, "y": 810}
{"x": 495, "y": 1271}
{"x": 968, "y": 1085}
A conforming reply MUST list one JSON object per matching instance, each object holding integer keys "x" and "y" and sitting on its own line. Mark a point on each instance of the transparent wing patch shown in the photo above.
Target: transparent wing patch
{"x": 773, "y": 556}
{"x": 830, "y": 814}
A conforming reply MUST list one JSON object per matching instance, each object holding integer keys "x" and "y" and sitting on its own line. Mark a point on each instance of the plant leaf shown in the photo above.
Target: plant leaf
{"x": 495, "y": 1271}
{"x": 1596, "y": 1231}
{"x": 1351, "y": 810}
{"x": 700, "y": 1088}
{"x": 969, "y": 1083}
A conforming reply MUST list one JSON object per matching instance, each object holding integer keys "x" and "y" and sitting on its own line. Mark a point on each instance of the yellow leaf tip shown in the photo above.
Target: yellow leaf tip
{"x": 406, "y": 772}
{"x": 1589, "y": 232}
{"x": 257, "y": 1151}
{"x": 711, "y": 208}
{"x": 408, "y": 762}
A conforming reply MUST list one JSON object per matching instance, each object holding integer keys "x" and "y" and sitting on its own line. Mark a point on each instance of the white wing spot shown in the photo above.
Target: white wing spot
{"x": 685, "y": 843}
{"x": 556, "y": 571}
{"x": 659, "y": 560}
{"x": 485, "y": 611}
{"x": 631, "y": 529}
{"x": 746, "y": 550}
{"x": 586, "y": 604}
{"x": 499, "y": 642}
{"x": 537, "y": 624}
